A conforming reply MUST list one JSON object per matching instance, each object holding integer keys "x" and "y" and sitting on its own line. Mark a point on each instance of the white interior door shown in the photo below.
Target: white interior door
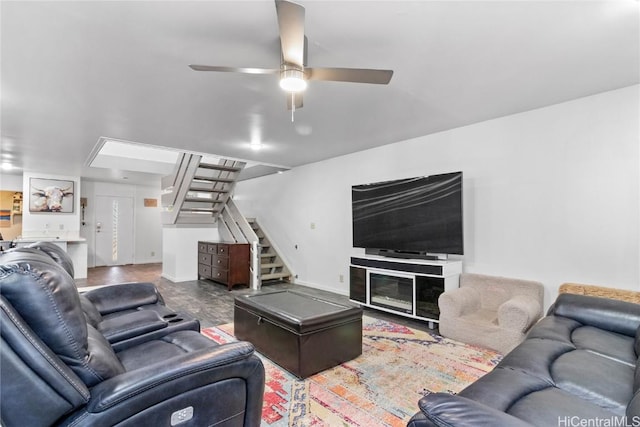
{"x": 114, "y": 230}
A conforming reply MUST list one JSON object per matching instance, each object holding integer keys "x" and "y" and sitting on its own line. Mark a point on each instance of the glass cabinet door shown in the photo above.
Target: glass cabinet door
{"x": 392, "y": 292}
{"x": 428, "y": 290}
{"x": 358, "y": 284}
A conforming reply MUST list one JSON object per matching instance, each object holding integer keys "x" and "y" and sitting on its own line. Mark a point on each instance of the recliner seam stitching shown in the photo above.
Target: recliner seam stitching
{"x": 24, "y": 332}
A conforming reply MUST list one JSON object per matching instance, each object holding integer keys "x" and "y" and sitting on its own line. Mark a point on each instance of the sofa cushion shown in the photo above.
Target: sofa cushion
{"x": 554, "y": 407}
{"x": 554, "y": 328}
{"x": 577, "y": 335}
{"x": 599, "y": 380}
{"x": 501, "y": 388}
{"x": 546, "y": 353}
{"x": 607, "y": 314}
{"x": 608, "y": 344}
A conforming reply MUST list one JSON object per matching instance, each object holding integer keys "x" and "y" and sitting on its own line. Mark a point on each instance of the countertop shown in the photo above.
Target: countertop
{"x": 50, "y": 239}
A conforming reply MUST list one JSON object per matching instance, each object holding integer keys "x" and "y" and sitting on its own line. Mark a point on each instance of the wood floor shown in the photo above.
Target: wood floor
{"x": 208, "y": 301}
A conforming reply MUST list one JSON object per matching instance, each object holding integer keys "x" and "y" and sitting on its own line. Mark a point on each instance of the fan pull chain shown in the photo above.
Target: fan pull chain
{"x": 293, "y": 105}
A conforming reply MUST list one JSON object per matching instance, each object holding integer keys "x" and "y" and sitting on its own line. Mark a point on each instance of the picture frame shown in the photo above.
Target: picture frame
{"x": 51, "y": 195}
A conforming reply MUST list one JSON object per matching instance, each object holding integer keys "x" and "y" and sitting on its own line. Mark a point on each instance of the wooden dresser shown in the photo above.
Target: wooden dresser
{"x": 226, "y": 263}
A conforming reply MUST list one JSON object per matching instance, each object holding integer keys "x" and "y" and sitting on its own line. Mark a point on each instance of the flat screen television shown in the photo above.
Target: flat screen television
{"x": 421, "y": 215}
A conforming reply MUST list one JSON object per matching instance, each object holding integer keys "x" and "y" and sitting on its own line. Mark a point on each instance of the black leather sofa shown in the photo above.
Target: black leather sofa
{"x": 577, "y": 366}
{"x": 126, "y": 314}
{"x": 56, "y": 369}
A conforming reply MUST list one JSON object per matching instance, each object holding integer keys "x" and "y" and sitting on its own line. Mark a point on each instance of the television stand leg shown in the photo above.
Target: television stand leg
{"x": 431, "y": 325}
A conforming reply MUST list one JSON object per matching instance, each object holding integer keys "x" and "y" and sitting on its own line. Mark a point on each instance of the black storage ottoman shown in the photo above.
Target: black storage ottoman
{"x": 301, "y": 333}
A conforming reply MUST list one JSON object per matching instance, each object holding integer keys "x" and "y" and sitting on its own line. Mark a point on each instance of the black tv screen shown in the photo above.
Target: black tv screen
{"x": 422, "y": 214}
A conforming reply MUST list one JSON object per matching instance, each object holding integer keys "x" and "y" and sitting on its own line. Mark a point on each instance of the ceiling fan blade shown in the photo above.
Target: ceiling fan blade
{"x": 234, "y": 69}
{"x": 353, "y": 75}
{"x": 291, "y": 25}
{"x": 298, "y": 101}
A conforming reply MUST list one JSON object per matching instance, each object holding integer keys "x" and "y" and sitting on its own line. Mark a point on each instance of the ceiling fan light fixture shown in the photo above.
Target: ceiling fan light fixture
{"x": 292, "y": 80}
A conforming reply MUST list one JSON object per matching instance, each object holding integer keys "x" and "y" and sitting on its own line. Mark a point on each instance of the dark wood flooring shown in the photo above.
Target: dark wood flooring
{"x": 208, "y": 301}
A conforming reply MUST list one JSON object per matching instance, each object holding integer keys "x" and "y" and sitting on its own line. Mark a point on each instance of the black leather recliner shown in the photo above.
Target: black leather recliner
{"x": 127, "y": 313}
{"x": 57, "y": 369}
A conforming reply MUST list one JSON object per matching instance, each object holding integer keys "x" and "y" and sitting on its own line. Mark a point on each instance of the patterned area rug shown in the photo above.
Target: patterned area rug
{"x": 382, "y": 387}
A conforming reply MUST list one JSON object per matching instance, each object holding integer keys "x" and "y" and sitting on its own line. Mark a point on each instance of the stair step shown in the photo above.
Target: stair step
{"x": 200, "y": 210}
{"x": 196, "y": 219}
{"x": 220, "y": 167}
{"x": 206, "y": 190}
{"x": 272, "y": 265}
{"x": 274, "y": 276}
{"x": 212, "y": 179}
{"x": 202, "y": 200}
{"x": 267, "y": 255}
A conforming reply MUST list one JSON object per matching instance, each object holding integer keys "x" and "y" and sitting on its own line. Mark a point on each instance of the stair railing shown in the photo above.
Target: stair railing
{"x": 278, "y": 252}
{"x": 179, "y": 183}
{"x": 239, "y": 229}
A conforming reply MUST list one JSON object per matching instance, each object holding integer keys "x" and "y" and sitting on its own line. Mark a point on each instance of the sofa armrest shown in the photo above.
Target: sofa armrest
{"x": 603, "y": 313}
{"x": 132, "y": 324}
{"x": 449, "y": 410}
{"x": 519, "y": 313}
{"x": 199, "y": 379}
{"x": 458, "y": 302}
{"x": 125, "y": 296}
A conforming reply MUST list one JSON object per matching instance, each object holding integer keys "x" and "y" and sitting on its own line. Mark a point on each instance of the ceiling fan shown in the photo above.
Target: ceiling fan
{"x": 293, "y": 71}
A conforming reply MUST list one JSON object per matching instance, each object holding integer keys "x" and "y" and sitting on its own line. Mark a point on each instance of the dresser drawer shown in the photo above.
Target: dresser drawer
{"x": 204, "y": 258}
{"x": 220, "y": 261}
{"x": 212, "y": 249}
{"x": 219, "y": 274}
{"x": 202, "y": 247}
{"x": 204, "y": 270}
{"x": 223, "y": 249}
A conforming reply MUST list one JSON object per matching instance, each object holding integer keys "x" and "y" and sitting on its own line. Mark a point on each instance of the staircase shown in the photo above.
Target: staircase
{"x": 200, "y": 193}
{"x": 197, "y": 192}
{"x": 272, "y": 267}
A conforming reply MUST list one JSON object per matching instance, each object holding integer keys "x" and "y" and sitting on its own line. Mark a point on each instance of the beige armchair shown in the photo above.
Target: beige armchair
{"x": 489, "y": 311}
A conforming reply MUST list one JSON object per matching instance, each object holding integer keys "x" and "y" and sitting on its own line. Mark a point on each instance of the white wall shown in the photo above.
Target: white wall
{"x": 551, "y": 195}
{"x": 10, "y": 182}
{"x": 180, "y": 250}
{"x": 48, "y": 224}
{"x": 147, "y": 238}
{"x": 148, "y": 225}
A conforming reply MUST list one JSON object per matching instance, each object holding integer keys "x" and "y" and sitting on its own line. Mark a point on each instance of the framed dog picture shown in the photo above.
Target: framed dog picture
{"x": 51, "y": 195}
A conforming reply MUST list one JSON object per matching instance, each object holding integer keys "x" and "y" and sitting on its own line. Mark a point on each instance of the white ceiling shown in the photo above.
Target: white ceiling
{"x": 73, "y": 72}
